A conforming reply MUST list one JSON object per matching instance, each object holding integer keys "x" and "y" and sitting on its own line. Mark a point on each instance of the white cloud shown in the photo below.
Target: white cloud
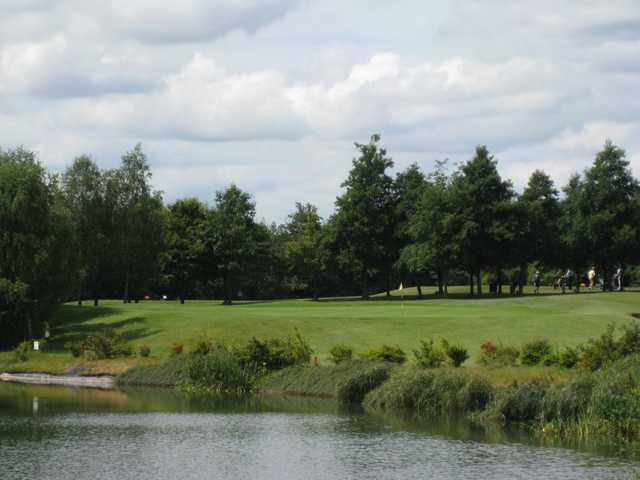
{"x": 271, "y": 94}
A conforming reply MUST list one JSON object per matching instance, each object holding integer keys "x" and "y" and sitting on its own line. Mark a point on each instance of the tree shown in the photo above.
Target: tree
{"x": 541, "y": 209}
{"x": 609, "y": 210}
{"x": 479, "y": 198}
{"x": 573, "y": 229}
{"x": 185, "y": 229}
{"x": 84, "y": 194}
{"x": 34, "y": 246}
{"x": 409, "y": 186}
{"x": 136, "y": 222}
{"x": 430, "y": 229}
{"x": 304, "y": 247}
{"x": 231, "y": 236}
{"x": 365, "y": 215}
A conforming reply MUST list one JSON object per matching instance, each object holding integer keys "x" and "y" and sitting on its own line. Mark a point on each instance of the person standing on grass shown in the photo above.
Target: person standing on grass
{"x": 592, "y": 277}
{"x": 536, "y": 282}
{"x": 569, "y": 278}
{"x": 618, "y": 277}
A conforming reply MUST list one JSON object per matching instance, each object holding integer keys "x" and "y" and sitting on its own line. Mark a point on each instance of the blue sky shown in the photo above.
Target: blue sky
{"x": 272, "y": 94}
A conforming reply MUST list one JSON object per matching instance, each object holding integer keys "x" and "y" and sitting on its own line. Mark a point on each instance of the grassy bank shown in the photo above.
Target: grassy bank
{"x": 563, "y": 319}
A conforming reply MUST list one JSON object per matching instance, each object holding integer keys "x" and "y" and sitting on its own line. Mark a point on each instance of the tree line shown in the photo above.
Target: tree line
{"x": 89, "y": 233}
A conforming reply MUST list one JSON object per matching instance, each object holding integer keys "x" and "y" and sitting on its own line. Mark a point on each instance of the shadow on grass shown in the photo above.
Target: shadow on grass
{"x": 75, "y": 329}
{"x": 452, "y": 296}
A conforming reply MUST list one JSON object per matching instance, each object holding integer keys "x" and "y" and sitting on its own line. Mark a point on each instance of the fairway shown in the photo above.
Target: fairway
{"x": 563, "y": 319}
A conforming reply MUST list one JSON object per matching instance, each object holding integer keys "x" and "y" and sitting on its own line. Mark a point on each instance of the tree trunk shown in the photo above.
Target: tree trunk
{"x": 479, "y": 282}
{"x": 440, "y": 287}
{"x": 29, "y": 326}
{"x": 471, "y": 283}
{"x": 578, "y": 279}
{"x": 388, "y": 275}
{"x": 95, "y": 301}
{"x": 365, "y": 287}
{"x": 499, "y": 282}
{"x": 419, "y": 290}
{"x": 125, "y": 297}
{"x": 227, "y": 288}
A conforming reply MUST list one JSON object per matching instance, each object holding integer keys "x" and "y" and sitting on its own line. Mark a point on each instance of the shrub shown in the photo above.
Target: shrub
{"x": 144, "y": 350}
{"x": 569, "y": 357}
{"x": 202, "y": 347}
{"x": 629, "y": 342}
{"x": 551, "y": 359}
{"x": 107, "y": 344}
{"x": 355, "y": 388}
{"x": 456, "y": 353}
{"x": 176, "y": 348}
{"x": 340, "y": 353}
{"x": 21, "y": 352}
{"x": 597, "y": 352}
{"x": 75, "y": 348}
{"x": 274, "y": 353}
{"x": 428, "y": 355}
{"x": 534, "y": 351}
{"x": 219, "y": 371}
{"x": 497, "y": 355}
{"x": 616, "y": 395}
{"x": 386, "y": 353}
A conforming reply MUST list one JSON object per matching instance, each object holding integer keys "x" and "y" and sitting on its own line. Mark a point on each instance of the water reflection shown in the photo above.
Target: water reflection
{"x": 62, "y": 433}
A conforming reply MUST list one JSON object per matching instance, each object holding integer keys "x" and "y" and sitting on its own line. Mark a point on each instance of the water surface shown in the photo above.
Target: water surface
{"x": 51, "y": 432}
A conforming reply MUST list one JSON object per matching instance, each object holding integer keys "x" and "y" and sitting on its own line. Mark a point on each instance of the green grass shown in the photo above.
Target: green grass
{"x": 563, "y": 319}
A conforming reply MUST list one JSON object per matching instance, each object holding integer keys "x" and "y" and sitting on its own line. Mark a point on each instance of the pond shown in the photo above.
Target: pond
{"x": 53, "y": 432}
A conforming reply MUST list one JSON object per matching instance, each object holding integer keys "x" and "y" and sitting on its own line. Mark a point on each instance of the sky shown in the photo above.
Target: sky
{"x": 272, "y": 94}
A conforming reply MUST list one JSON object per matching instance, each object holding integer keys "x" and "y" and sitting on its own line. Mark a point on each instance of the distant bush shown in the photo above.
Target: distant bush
{"x": 74, "y": 347}
{"x": 429, "y": 355}
{"x": 569, "y": 357}
{"x": 176, "y": 348}
{"x": 144, "y": 350}
{"x": 601, "y": 351}
{"x": 387, "y": 353}
{"x": 107, "y": 344}
{"x": 534, "y": 351}
{"x": 356, "y": 387}
{"x": 202, "y": 347}
{"x": 274, "y": 353}
{"x": 457, "y": 354}
{"x": 219, "y": 371}
{"x": 340, "y": 353}
{"x": 498, "y": 355}
{"x": 21, "y": 352}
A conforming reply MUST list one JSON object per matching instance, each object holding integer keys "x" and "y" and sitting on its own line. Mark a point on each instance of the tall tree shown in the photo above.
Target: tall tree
{"x": 136, "y": 222}
{"x": 609, "y": 210}
{"x": 409, "y": 186}
{"x": 541, "y": 208}
{"x": 84, "y": 193}
{"x": 432, "y": 248}
{"x": 480, "y": 197}
{"x": 365, "y": 214}
{"x": 185, "y": 230}
{"x": 232, "y": 237}
{"x": 304, "y": 247}
{"x": 34, "y": 246}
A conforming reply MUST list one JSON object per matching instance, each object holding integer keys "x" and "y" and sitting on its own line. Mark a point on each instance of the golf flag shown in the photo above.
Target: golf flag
{"x": 401, "y": 286}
